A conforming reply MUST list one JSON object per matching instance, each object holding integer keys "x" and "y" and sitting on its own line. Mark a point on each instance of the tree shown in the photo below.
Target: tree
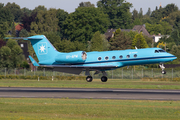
{"x": 175, "y": 51}
{"x": 6, "y": 15}
{"x": 106, "y": 44}
{"x": 16, "y": 56}
{"x": 139, "y": 41}
{"x": 46, "y": 21}
{"x": 13, "y": 30}
{"x": 6, "y": 19}
{"x": 5, "y": 61}
{"x": 137, "y": 22}
{"x": 120, "y": 41}
{"x": 140, "y": 13}
{"x": 118, "y": 12}
{"x": 11, "y": 55}
{"x": 96, "y": 42}
{"x": 135, "y": 14}
{"x": 84, "y": 22}
{"x": 3, "y": 29}
{"x": 173, "y": 19}
{"x": 27, "y": 20}
{"x": 86, "y": 4}
{"x": 23, "y": 33}
{"x": 39, "y": 8}
{"x": 164, "y": 12}
{"x": 69, "y": 46}
{"x": 149, "y": 12}
{"x": 53, "y": 37}
{"x": 26, "y": 11}
{"x": 131, "y": 34}
{"x": 175, "y": 35}
{"x": 163, "y": 28}
{"x": 15, "y": 10}
{"x": 2, "y": 43}
{"x": 61, "y": 15}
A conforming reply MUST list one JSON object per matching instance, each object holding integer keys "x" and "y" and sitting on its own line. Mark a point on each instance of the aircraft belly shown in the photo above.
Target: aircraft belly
{"x": 69, "y": 70}
{"x": 115, "y": 64}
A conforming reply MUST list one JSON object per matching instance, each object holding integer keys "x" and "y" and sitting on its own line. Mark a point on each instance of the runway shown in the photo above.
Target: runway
{"x": 89, "y": 93}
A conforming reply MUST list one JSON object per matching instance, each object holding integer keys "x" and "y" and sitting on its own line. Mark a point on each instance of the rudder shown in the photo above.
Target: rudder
{"x": 44, "y": 50}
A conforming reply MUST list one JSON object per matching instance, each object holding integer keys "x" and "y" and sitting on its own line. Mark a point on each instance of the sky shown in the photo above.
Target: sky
{"x": 71, "y": 5}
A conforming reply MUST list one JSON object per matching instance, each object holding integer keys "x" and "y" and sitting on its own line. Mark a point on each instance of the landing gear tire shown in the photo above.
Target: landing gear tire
{"x": 163, "y": 72}
{"x": 89, "y": 78}
{"x": 104, "y": 79}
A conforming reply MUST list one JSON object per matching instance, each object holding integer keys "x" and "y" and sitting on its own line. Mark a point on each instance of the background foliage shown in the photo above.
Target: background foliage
{"x": 84, "y": 29}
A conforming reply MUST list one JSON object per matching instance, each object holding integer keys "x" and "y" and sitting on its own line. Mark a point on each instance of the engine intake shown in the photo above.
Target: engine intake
{"x": 72, "y": 57}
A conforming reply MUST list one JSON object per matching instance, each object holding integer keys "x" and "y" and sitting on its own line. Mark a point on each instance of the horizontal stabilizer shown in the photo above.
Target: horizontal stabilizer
{"x": 24, "y": 38}
{"x": 33, "y": 61}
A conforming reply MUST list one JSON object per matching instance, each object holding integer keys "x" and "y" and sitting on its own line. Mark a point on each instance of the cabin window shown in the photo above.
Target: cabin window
{"x": 128, "y": 56}
{"x": 114, "y": 57}
{"x": 99, "y": 58}
{"x": 121, "y": 57}
{"x": 106, "y": 58}
{"x": 156, "y": 51}
{"x": 135, "y": 55}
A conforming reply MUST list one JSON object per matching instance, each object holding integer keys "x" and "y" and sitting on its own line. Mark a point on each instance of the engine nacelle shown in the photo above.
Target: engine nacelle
{"x": 72, "y": 57}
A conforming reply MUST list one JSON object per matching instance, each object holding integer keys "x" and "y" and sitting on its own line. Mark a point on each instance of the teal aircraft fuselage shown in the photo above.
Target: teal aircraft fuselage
{"x": 76, "y": 62}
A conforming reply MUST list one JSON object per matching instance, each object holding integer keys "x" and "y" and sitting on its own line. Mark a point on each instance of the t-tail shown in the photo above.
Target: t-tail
{"x": 44, "y": 50}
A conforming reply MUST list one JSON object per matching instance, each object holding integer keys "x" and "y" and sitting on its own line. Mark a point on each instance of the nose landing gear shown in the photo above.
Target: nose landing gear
{"x": 162, "y": 67}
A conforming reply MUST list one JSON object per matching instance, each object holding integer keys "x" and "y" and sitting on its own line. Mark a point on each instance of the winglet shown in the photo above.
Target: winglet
{"x": 33, "y": 61}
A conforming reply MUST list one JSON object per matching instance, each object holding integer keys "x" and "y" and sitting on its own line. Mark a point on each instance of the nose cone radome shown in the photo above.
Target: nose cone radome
{"x": 173, "y": 57}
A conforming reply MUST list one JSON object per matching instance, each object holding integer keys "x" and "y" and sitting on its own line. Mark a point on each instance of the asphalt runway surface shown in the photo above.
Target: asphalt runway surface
{"x": 89, "y": 93}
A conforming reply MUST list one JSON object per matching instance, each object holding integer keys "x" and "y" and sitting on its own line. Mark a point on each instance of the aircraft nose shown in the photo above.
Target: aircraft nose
{"x": 173, "y": 57}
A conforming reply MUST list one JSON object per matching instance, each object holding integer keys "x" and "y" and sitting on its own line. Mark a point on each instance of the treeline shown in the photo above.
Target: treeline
{"x": 84, "y": 29}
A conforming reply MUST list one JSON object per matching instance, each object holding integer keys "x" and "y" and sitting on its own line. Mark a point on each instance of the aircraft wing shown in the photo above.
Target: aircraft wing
{"x": 77, "y": 69}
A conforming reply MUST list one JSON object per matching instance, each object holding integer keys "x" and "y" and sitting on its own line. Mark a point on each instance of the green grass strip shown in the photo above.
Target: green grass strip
{"x": 55, "y": 109}
{"x": 118, "y": 83}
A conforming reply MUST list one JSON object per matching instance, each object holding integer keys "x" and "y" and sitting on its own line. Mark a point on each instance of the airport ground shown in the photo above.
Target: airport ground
{"x": 66, "y": 108}
{"x": 96, "y": 83}
{"x": 55, "y": 109}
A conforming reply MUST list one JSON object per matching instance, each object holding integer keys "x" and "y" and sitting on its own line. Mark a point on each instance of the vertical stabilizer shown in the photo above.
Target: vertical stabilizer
{"x": 44, "y": 50}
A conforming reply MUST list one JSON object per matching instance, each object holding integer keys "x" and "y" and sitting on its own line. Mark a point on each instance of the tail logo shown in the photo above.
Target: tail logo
{"x": 42, "y": 48}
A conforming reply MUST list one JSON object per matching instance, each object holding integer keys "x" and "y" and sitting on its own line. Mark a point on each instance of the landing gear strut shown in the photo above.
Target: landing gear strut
{"x": 89, "y": 78}
{"x": 162, "y": 67}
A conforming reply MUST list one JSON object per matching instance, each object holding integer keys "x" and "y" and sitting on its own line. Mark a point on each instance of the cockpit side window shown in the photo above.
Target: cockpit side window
{"x": 156, "y": 51}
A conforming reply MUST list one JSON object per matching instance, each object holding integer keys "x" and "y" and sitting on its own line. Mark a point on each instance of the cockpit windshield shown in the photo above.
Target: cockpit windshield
{"x": 160, "y": 51}
{"x": 156, "y": 51}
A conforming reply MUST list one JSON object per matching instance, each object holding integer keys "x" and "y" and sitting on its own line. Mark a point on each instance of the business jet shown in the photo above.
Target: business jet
{"x": 78, "y": 61}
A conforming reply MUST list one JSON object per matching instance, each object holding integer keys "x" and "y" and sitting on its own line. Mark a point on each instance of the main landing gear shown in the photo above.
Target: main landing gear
{"x": 104, "y": 79}
{"x": 162, "y": 67}
{"x": 89, "y": 78}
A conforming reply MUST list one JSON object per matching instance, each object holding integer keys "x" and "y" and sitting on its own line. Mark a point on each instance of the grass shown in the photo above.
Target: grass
{"x": 52, "y": 109}
{"x": 88, "y": 109}
{"x": 112, "y": 83}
